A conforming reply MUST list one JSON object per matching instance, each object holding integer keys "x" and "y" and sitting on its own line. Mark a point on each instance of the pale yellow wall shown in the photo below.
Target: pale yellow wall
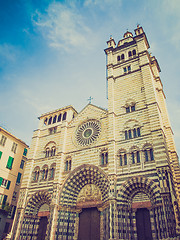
{"x": 12, "y": 174}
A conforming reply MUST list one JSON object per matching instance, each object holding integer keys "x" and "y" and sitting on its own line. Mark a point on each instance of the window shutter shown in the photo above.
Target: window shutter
{"x": 25, "y": 152}
{"x": 1, "y": 179}
{"x": 4, "y": 200}
{"x": 8, "y": 184}
{"x": 18, "y": 178}
{"x": 0, "y": 154}
{"x": 14, "y": 210}
{"x": 10, "y": 162}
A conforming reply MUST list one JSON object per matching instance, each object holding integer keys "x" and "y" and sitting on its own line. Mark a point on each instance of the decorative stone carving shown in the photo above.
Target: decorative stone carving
{"x": 89, "y": 195}
{"x": 21, "y": 198}
{"x": 88, "y": 132}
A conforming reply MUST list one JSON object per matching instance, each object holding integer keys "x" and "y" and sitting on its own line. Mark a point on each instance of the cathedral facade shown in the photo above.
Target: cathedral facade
{"x": 105, "y": 174}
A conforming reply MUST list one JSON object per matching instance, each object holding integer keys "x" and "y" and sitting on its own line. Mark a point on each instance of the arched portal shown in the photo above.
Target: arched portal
{"x": 36, "y": 218}
{"x": 143, "y": 224}
{"x": 84, "y": 190}
{"x": 80, "y": 177}
{"x": 138, "y": 199}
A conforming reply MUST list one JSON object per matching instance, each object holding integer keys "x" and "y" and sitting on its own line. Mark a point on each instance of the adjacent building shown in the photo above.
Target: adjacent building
{"x": 12, "y": 162}
{"x": 103, "y": 174}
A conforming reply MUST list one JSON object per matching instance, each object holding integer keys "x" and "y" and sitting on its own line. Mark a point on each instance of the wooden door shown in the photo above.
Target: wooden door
{"x": 143, "y": 224}
{"x": 89, "y": 224}
{"x": 42, "y": 228}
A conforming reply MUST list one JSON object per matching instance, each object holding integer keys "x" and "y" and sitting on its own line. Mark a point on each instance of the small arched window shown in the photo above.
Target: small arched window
{"x": 53, "y": 151}
{"x": 122, "y": 158}
{"x": 126, "y": 135}
{"x": 64, "y": 116}
{"x": 68, "y": 163}
{"x": 44, "y": 173}
{"x": 36, "y": 174}
{"x": 104, "y": 158}
{"x": 138, "y": 156}
{"x": 45, "y": 121}
{"x": 59, "y": 118}
{"x": 133, "y": 158}
{"x": 50, "y": 120}
{"x": 148, "y": 154}
{"x": 125, "y": 159}
{"x": 52, "y": 171}
{"x": 129, "y": 134}
{"x": 151, "y": 154}
{"x": 54, "y": 119}
{"x": 122, "y": 56}
{"x": 118, "y": 58}
{"x": 128, "y": 109}
{"x": 138, "y": 132}
{"x": 47, "y": 152}
{"x": 129, "y": 54}
{"x": 134, "y": 133}
{"x": 134, "y": 52}
{"x": 132, "y": 108}
{"x": 135, "y": 155}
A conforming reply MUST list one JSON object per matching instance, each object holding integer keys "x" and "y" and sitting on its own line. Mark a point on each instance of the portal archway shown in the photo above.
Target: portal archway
{"x": 85, "y": 189}
{"x": 80, "y": 177}
{"x": 137, "y": 197}
{"x": 36, "y": 218}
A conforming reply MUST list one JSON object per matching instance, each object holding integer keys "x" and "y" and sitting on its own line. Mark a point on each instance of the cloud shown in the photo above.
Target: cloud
{"x": 8, "y": 53}
{"x": 63, "y": 26}
{"x": 103, "y": 4}
{"x": 170, "y": 19}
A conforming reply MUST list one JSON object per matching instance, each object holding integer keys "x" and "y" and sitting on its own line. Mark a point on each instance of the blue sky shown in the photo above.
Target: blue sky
{"x": 52, "y": 54}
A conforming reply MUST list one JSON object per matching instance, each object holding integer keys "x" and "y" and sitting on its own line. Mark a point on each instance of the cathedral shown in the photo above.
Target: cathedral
{"x": 104, "y": 174}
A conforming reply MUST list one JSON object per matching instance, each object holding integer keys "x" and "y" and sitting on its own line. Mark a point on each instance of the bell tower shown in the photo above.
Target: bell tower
{"x": 139, "y": 126}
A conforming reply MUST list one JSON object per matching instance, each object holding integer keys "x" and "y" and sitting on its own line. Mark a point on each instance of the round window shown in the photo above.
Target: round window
{"x": 88, "y": 132}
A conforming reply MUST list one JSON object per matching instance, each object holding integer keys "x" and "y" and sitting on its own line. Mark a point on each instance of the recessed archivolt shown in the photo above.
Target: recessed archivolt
{"x": 139, "y": 184}
{"x": 80, "y": 177}
{"x": 130, "y": 102}
{"x": 36, "y": 201}
{"x": 131, "y": 123}
{"x": 50, "y": 144}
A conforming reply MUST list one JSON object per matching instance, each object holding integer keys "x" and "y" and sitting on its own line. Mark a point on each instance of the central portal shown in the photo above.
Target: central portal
{"x": 143, "y": 224}
{"x": 89, "y": 224}
{"x": 42, "y": 228}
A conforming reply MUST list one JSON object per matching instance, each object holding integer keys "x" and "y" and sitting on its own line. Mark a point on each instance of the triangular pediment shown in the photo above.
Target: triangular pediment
{"x": 90, "y": 111}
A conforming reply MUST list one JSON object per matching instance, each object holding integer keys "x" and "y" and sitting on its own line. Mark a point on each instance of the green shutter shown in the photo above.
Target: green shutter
{"x": 18, "y": 178}
{"x": 25, "y": 152}
{"x": 1, "y": 179}
{"x": 7, "y": 166}
{"x": 8, "y": 184}
{"x": 0, "y": 154}
{"x": 10, "y": 163}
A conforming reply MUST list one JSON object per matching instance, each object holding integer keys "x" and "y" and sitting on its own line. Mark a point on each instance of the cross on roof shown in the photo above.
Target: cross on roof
{"x": 89, "y": 99}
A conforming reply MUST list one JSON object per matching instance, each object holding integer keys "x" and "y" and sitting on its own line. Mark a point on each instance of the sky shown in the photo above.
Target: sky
{"x": 52, "y": 54}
